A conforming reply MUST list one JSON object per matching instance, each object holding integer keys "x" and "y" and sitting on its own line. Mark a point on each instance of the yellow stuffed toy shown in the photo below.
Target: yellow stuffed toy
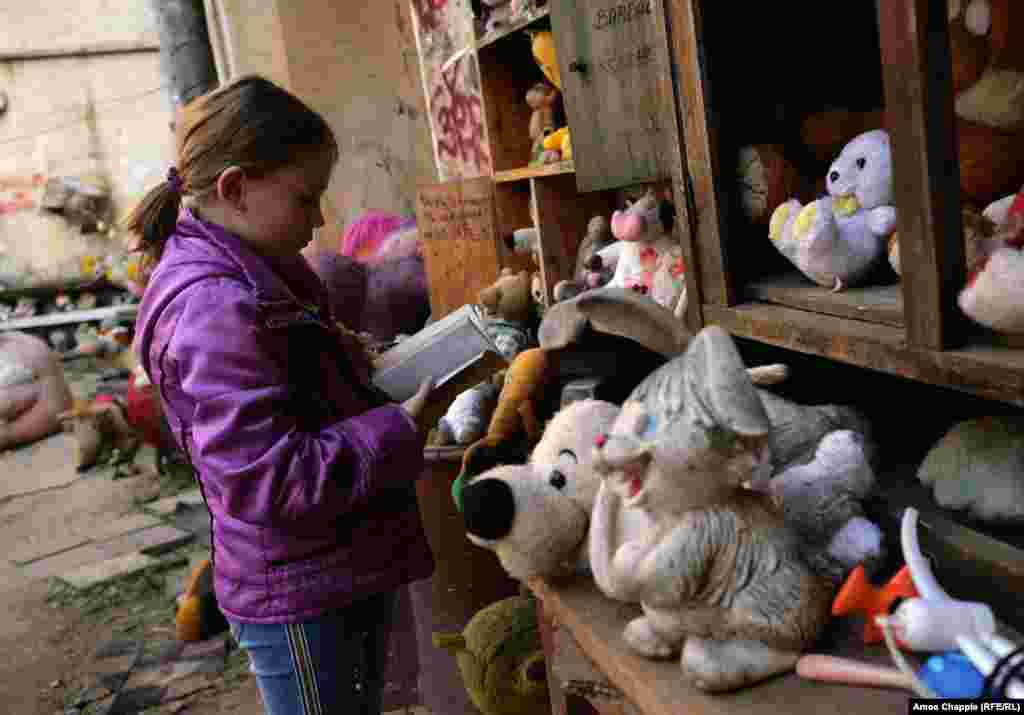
{"x": 557, "y": 146}
{"x": 501, "y": 658}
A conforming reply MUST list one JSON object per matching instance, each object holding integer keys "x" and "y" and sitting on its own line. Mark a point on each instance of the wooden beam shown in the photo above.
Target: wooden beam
{"x": 702, "y": 152}
{"x": 681, "y": 191}
{"x": 103, "y": 48}
{"x": 919, "y": 108}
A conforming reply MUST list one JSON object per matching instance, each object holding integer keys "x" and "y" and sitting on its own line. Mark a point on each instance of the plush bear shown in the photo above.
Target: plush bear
{"x": 720, "y": 574}
{"x": 596, "y": 259}
{"x": 651, "y": 261}
{"x": 33, "y": 390}
{"x": 511, "y": 312}
{"x": 838, "y": 240}
{"x": 501, "y": 658}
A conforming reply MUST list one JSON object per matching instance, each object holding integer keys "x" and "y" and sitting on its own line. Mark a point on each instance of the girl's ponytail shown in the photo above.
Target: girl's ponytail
{"x": 154, "y": 218}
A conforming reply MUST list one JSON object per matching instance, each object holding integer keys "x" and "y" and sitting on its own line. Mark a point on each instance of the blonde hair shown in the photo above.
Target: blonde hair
{"x": 250, "y": 123}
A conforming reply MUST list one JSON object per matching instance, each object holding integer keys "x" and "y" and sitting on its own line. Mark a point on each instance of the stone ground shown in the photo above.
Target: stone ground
{"x": 50, "y": 632}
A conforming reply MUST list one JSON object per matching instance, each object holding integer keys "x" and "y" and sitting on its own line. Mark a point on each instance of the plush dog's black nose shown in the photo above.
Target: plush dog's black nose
{"x": 489, "y": 508}
{"x": 833, "y": 177}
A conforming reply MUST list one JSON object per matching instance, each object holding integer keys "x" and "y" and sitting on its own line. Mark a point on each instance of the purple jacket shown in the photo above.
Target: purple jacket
{"x": 308, "y": 474}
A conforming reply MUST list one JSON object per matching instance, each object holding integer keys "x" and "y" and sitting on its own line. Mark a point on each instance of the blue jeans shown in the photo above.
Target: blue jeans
{"x": 334, "y": 664}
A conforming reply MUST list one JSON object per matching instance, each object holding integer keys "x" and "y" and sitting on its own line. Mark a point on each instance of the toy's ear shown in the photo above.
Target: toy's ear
{"x": 506, "y": 271}
{"x": 718, "y": 388}
{"x": 667, "y": 214}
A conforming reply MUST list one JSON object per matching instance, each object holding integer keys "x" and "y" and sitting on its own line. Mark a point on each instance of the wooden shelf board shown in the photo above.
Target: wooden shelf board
{"x": 70, "y": 317}
{"x": 534, "y": 172}
{"x": 657, "y": 688}
{"x": 876, "y": 304}
{"x": 436, "y": 453}
{"x": 491, "y": 38}
{"x": 982, "y": 368}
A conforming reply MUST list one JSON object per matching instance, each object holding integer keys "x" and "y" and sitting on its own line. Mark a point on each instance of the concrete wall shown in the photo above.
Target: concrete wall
{"x": 357, "y": 64}
{"x": 104, "y": 116}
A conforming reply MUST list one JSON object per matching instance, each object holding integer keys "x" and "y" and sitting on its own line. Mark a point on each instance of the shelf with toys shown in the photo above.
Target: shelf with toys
{"x": 769, "y": 248}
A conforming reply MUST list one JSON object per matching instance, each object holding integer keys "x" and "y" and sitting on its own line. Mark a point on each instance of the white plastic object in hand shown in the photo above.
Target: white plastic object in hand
{"x": 933, "y": 621}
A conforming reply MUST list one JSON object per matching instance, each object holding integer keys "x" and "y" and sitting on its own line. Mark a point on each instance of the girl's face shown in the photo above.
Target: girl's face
{"x": 281, "y": 209}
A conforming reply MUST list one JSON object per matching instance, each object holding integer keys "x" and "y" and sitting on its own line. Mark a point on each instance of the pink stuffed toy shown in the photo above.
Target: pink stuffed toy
{"x": 33, "y": 391}
{"x": 994, "y": 295}
{"x": 651, "y": 259}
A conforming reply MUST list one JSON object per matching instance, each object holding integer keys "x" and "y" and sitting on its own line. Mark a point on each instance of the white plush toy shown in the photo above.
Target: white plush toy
{"x": 535, "y": 516}
{"x": 650, "y": 259}
{"x": 467, "y": 416}
{"x": 994, "y": 294}
{"x": 499, "y": 14}
{"x": 837, "y": 240}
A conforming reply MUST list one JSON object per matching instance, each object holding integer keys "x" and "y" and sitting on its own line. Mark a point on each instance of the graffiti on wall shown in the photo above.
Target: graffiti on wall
{"x": 457, "y": 114}
{"x": 451, "y": 80}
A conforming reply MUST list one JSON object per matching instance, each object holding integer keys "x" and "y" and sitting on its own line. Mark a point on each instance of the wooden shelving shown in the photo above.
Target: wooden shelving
{"x": 982, "y": 367}
{"x": 875, "y": 304}
{"x": 656, "y": 687}
{"x": 533, "y": 172}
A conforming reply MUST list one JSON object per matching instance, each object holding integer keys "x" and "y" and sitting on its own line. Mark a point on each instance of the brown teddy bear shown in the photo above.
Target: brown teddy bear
{"x": 511, "y": 312}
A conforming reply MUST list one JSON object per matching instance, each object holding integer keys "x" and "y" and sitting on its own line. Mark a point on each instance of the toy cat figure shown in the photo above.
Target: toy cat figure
{"x": 836, "y": 241}
{"x": 720, "y": 574}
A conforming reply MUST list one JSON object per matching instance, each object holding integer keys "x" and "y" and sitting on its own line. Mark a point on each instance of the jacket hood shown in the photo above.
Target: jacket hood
{"x": 198, "y": 250}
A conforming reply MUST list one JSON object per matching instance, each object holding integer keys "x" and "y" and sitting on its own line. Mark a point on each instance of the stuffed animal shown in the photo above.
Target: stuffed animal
{"x": 557, "y": 147}
{"x": 535, "y": 516}
{"x": 499, "y": 14}
{"x": 102, "y": 432}
{"x": 501, "y": 658}
{"x": 33, "y": 391}
{"x": 196, "y": 615}
{"x": 596, "y": 259}
{"x": 651, "y": 261}
{"x": 719, "y": 574}
{"x": 468, "y": 415}
{"x": 994, "y": 294}
{"x": 988, "y": 87}
{"x": 836, "y": 241}
{"x": 542, "y": 98}
{"x": 511, "y": 312}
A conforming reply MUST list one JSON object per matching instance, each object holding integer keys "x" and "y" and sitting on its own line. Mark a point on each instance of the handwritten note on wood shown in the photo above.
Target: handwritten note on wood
{"x": 613, "y": 57}
{"x": 460, "y": 248}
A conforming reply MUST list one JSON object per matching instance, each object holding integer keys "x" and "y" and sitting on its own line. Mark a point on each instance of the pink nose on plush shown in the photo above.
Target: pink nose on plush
{"x": 627, "y": 226}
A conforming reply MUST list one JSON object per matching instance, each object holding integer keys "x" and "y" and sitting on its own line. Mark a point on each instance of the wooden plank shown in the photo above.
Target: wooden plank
{"x": 460, "y": 249}
{"x": 874, "y": 304}
{"x": 702, "y": 146}
{"x": 979, "y": 368}
{"x": 657, "y": 688}
{"x": 919, "y": 104}
{"x": 532, "y": 172}
{"x": 610, "y": 58}
{"x": 512, "y": 211}
{"x": 681, "y": 190}
{"x": 91, "y": 50}
{"x": 562, "y": 217}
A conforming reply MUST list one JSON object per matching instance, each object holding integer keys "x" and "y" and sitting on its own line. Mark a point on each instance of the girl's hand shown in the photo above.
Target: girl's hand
{"x": 414, "y": 405}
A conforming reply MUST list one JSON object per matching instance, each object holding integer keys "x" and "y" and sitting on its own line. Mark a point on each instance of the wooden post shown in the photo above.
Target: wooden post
{"x": 186, "y": 59}
{"x": 703, "y": 162}
{"x": 919, "y": 112}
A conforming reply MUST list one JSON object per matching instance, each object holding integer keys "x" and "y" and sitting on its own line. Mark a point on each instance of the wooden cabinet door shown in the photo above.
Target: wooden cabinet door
{"x": 613, "y": 61}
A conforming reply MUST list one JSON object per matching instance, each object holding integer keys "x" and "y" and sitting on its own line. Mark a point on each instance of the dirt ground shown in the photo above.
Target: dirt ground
{"x": 47, "y": 650}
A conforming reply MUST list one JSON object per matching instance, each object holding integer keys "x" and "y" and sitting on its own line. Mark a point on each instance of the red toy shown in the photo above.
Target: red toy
{"x": 858, "y": 595}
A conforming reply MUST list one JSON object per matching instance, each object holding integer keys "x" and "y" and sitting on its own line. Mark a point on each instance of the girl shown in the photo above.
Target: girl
{"x": 307, "y": 470}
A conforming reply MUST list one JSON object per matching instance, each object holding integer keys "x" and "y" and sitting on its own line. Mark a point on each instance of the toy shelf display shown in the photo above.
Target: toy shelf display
{"x": 725, "y": 108}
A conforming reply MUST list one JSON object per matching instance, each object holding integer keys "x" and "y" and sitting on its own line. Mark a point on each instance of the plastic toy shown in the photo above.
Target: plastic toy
{"x": 858, "y": 596}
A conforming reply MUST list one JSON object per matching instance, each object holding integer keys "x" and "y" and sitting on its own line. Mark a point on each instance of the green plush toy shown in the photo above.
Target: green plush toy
{"x": 501, "y": 658}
